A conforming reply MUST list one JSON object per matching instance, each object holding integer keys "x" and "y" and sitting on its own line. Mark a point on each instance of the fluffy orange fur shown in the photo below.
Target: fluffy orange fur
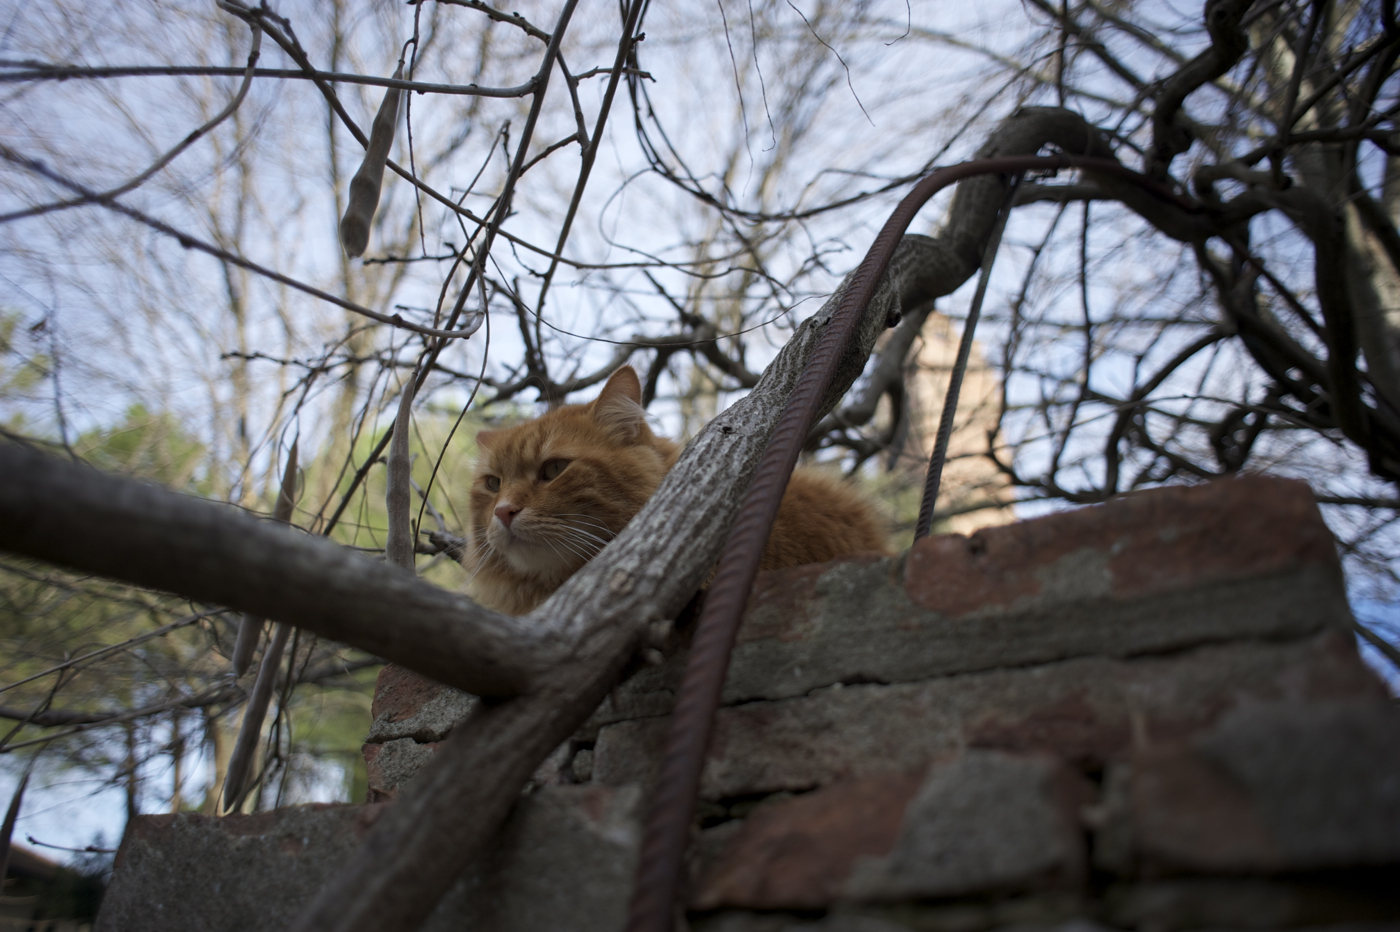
{"x": 550, "y": 493}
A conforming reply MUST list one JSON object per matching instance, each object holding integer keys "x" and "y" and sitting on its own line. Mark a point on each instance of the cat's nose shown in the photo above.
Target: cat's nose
{"x": 507, "y": 512}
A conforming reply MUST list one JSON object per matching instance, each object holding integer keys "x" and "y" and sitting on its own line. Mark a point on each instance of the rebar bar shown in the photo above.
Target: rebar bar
{"x": 934, "y": 478}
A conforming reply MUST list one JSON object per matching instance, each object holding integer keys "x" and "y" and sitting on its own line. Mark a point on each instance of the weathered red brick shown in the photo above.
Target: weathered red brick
{"x": 776, "y": 594}
{"x": 1088, "y": 710}
{"x": 972, "y": 822}
{"x": 412, "y": 713}
{"x": 1150, "y": 542}
{"x": 798, "y": 853}
{"x": 1286, "y": 786}
{"x": 1162, "y": 571}
{"x": 1186, "y": 811}
{"x": 392, "y": 764}
{"x": 400, "y": 693}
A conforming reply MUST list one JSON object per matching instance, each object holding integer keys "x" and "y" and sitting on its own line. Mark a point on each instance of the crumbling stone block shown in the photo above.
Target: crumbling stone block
{"x": 979, "y": 822}
{"x": 1088, "y": 710}
{"x": 984, "y": 822}
{"x": 410, "y": 705}
{"x": 798, "y": 852}
{"x": 194, "y": 873}
{"x": 1270, "y": 788}
{"x": 564, "y": 861}
{"x": 1161, "y": 571}
{"x": 1143, "y": 544}
{"x": 411, "y": 714}
{"x": 392, "y": 764}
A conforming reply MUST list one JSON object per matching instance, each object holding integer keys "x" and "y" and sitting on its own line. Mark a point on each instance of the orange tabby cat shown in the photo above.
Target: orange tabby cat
{"x": 551, "y": 492}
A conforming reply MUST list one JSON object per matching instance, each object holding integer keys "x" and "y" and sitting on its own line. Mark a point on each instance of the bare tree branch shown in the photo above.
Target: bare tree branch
{"x": 75, "y": 516}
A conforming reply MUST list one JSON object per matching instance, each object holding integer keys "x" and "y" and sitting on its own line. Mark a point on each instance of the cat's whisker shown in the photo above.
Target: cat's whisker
{"x": 593, "y": 544}
{"x": 561, "y": 555}
{"x": 585, "y": 532}
{"x": 589, "y": 520}
{"x": 480, "y": 553}
{"x": 581, "y": 534}
{"x": 576, "y": 546}
{"x": 583, "y": 519}
{"x": 578, "y": 514}
{"x": 575, "y": 529}
{"x": 568, "y": 527}
{"x": 562, "y": 527}
{"x": 478, "y": 547}
{"x": 478, "y": 563}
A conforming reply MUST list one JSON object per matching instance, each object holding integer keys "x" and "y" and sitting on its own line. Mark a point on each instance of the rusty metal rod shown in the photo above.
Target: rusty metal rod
{"x": 673, "y": 806}
{"x": 934, "y": 477}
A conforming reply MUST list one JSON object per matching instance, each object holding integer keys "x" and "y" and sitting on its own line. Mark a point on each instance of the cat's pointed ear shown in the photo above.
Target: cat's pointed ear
{"x": 486, "y": 439}
{"x": 619, "y": 408}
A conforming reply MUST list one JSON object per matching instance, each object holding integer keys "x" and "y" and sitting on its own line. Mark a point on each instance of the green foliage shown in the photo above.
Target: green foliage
{"x": 365, "y": 522}
{"x": 20, "y": 375}
{"x": 48, "y": 617}
{"x": 330, "y": 722}
{"x": 150, "y": 445}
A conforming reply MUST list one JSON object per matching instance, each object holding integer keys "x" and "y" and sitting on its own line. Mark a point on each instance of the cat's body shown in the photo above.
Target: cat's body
{"x": 551, "y": 492}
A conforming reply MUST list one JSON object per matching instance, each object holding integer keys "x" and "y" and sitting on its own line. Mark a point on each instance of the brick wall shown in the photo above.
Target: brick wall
{"x": 1149, "y": 713}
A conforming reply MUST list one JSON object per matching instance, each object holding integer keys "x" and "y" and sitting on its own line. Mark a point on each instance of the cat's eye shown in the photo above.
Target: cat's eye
{"x": 552, "y": 468}
{"x": 493, "y": 483}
